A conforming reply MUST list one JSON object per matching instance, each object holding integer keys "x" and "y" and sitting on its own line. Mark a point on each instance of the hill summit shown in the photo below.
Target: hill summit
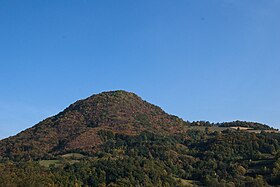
{"x": 79, "y": 125}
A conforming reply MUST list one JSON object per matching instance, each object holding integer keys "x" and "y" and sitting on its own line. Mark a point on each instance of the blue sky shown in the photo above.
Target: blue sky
{"x": 216, "y": 60}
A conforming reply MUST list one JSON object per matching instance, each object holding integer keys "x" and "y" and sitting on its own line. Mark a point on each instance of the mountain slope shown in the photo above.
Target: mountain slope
{"x": 78, "y": 126}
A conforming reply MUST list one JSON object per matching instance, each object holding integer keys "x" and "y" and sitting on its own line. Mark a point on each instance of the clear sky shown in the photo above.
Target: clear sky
{"x": 216, "y": 60}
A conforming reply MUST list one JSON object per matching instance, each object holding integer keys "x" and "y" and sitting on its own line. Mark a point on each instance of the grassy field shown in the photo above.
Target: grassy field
{"x": 73, "y": 155}
{"x": 47, "y": 163}
{"x": 213, "y": 128}
{"x": 188, "y": 183}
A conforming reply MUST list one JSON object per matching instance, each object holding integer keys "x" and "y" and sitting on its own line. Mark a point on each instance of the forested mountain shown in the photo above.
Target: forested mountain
{"x": 77, "y": 127}
{"x": 117, "y": 139}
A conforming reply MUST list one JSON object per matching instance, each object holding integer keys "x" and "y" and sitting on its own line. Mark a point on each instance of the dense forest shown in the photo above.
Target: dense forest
{"x": 196, "y": 158}
{"x": 88, "y": 145}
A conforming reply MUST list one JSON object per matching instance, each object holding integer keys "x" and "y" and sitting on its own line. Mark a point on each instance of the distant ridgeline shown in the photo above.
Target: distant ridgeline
{"x": 253, "y": 125}
{"x": 235, "y": 125}
{"x": 117, "y": 139}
